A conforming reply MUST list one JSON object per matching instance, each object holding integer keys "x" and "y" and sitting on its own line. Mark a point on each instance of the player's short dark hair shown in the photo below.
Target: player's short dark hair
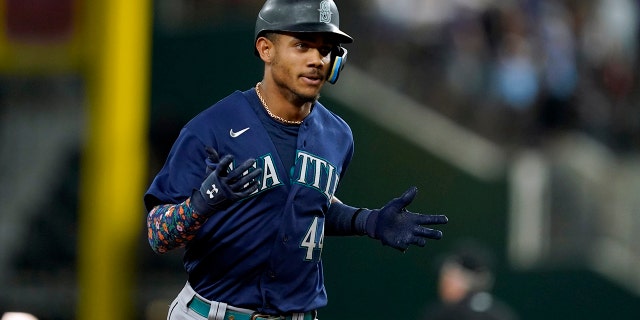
{"x": 271, "y": 35}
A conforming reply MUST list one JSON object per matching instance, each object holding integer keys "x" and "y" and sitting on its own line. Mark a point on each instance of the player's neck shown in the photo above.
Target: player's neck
{"x": 281, "y": 104}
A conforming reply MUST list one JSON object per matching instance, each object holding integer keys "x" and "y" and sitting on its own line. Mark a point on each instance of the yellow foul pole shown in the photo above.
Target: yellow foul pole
{"x": 115, "y": 155}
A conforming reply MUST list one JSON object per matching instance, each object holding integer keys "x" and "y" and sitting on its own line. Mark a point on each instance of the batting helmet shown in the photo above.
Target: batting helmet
{"x": 300, "y": 16}
{"x": 306, "y": 16}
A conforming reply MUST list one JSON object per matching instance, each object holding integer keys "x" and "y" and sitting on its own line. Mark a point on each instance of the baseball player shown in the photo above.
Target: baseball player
{"x": 248, "y": 186}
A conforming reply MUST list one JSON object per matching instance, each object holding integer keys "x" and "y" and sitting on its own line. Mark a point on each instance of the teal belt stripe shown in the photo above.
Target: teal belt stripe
{"x": 202, "y": 308}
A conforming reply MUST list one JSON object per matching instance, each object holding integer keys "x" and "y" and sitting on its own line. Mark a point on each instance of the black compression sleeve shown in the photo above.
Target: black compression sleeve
{"x": 344, "y": 220}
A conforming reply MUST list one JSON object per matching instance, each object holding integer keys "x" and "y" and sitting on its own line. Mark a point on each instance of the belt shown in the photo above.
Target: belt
{"x": 202, "y": 308}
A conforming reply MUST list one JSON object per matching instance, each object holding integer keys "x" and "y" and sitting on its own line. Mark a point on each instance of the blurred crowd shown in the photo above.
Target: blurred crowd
{"x": 515, "y": 71}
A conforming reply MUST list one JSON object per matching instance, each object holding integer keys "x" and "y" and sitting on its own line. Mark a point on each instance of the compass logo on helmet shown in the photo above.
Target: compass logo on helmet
{"x": 325, "y": 11}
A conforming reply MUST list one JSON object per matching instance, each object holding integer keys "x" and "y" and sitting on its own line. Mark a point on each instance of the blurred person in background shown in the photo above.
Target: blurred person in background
{"x": 465, "y": 281}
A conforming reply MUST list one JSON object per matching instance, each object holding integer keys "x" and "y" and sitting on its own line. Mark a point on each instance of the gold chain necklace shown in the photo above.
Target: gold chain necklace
{"x": 264, "y": 104}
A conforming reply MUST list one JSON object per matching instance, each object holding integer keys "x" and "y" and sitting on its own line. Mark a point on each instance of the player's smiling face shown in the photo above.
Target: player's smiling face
{"x": 301, "y": 62}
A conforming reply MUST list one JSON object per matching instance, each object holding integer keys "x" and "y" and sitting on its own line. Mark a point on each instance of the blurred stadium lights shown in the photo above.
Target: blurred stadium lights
{"x": 18, "y": 316}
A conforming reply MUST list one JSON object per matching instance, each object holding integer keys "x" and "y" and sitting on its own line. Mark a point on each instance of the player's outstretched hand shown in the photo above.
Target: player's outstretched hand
{"x": 397, "y": 227}
{"x": 223, "y": 187}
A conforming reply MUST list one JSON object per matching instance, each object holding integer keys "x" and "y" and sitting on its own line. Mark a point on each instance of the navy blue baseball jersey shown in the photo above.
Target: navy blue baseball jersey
{"x": 263, "y": 252}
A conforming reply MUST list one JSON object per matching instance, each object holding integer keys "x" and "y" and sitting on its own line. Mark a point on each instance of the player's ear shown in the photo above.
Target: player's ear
{"x": 264, "y": 48}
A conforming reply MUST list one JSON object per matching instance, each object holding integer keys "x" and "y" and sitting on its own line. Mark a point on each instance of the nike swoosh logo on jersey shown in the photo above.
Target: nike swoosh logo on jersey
{"x": 237, "y": 134}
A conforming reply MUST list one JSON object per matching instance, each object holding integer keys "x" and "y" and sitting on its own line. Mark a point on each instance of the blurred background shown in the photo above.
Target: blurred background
{"x": 518, "y": 119}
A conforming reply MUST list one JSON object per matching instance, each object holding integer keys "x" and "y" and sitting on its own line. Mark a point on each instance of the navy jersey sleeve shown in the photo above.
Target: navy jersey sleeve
{"x": 183, "y": 171}
{"x": 344, "y": 141}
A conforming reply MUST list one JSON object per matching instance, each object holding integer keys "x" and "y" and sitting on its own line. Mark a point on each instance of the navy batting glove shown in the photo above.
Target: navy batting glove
{"x": 223, "y": 187}
{"x": 397, "y": 227}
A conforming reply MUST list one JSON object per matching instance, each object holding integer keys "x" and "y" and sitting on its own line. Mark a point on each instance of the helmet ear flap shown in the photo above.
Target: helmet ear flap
{"x": 338, "y": 60}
